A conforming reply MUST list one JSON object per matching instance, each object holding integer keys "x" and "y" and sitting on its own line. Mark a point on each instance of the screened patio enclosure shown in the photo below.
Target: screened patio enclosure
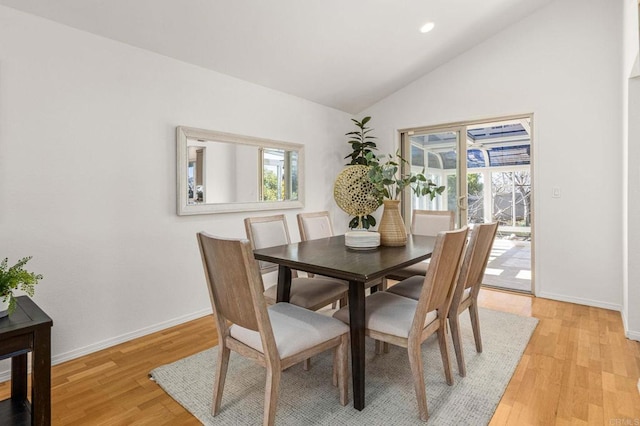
{"x": 497, "y": 186}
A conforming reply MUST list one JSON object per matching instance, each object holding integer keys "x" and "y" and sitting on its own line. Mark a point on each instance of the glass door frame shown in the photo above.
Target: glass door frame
{"x": 461, "y": 170}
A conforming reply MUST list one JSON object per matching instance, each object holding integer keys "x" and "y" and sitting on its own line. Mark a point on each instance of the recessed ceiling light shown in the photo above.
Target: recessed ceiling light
{"x": 427, "y": 27}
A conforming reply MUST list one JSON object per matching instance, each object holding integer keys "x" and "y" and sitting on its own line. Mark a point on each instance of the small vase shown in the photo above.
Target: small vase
{"x": 4, "y": 307}
{"x": 392, "y": 230}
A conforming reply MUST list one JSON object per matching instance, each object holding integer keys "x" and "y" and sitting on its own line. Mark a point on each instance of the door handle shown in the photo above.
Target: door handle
{"x": 462, "y": 202}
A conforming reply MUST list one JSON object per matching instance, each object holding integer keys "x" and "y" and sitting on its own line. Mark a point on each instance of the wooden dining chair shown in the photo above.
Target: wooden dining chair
{"x": 316, "y": 225}
{"x": 428, "y": 223}
{"x": 311, "y": 293}
{"x": 277, "y": 336}
{"x": 407, "y": 322}
{"x": 467, "y": 288}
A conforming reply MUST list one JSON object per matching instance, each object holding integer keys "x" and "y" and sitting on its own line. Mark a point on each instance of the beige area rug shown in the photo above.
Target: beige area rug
{"x": 308, "y": 398}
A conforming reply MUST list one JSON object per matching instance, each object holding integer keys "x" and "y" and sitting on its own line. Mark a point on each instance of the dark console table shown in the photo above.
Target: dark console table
{"x": 27, "y": 329}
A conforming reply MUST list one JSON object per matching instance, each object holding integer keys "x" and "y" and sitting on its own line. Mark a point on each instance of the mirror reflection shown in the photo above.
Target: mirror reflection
{"x": 221, "y": 172}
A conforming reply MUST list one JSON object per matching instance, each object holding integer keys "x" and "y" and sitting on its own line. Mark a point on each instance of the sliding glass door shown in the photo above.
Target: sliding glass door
{"x": 486, "y": 169}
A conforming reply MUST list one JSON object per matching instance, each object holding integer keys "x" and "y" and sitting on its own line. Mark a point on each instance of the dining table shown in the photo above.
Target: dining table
{"x": 330, "y": 257}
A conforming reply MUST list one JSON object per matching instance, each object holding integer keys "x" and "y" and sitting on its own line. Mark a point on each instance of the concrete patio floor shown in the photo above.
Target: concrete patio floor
{"x": 509, "y": 265}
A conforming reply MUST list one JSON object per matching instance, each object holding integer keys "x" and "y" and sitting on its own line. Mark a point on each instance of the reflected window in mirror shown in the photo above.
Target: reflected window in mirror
{"x": 279, "y": 174}
{"x": 195, "y": 175}
{"x": 221, "y": 172}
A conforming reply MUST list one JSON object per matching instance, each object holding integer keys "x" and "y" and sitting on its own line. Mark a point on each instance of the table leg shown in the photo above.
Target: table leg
{"x": 41, "y": 377}
{"x": 356, "y": 323}
{"x": 284, "y": 284}
{"x": 19, "y": 377}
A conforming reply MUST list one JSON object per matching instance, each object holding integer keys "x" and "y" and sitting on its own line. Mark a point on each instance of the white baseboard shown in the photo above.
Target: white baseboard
{"x": 633, "y": 335}
{"x": 94, "y": 347}
{"x": 630, "y": 334}
{"x": 580, "y": 301}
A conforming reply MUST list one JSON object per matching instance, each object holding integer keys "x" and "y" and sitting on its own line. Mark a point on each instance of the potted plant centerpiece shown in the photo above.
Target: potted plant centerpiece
{"x": 388, "y": 183}
{"x": 15, "y": 278}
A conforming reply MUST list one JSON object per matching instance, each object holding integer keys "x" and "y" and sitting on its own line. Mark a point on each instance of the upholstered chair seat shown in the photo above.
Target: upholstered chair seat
{"x": 411, "y": 288}
{"x": 295, "y": 330}
{"x": 310, "y": 293}
{"x": 389, "y": 313}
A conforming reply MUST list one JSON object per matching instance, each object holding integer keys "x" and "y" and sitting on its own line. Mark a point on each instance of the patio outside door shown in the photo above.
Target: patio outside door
{"x": 495, "y": 159}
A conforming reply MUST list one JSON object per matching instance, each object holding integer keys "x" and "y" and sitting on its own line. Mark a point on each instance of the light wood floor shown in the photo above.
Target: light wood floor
{"x": 577, "y": 369}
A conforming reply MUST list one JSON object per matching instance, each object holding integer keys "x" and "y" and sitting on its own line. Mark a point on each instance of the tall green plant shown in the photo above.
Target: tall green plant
{"x": 363, "y": 145}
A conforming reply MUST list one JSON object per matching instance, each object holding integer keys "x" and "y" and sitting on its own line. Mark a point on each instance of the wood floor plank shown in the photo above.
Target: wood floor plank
{"x": 578, "y": 368}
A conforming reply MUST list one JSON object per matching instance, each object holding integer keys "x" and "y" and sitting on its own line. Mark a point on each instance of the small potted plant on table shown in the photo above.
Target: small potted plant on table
{"x": 388, "y": 184}
{"x": 15, "y": 278}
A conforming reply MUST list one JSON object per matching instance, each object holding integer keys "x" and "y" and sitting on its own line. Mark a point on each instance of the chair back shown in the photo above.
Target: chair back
{"x": 437, "y": 290}
{"x": 431, "y": 222}
{"x": 235, "y": 284}
{"x": 314, "y": 225}
{"x": 475, "y": 259}
{"x": 267, "y": 231}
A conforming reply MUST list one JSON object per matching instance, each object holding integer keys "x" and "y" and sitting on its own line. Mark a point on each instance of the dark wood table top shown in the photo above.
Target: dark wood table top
{"x": 330, "y": 257}
{"x": 25, "y": 318}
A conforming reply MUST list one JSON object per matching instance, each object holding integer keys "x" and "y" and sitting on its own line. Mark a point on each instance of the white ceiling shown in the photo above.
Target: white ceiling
{"x": 346, "y": 54}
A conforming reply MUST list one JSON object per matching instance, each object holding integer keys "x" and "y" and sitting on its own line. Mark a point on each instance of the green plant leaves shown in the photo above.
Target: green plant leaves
{"x": 14, "y": 278}
{"x": 389, "y": 182}
{"x": 361, "y": 142}
{"x": 367, "y": 222}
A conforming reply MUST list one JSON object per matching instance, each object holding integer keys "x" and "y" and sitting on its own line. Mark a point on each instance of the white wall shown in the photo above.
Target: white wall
{"x": 631, "y": 171}
{"x": 87, "y": 175}
{"x": 632, "y": 311}
{"x": 562, "y": 63}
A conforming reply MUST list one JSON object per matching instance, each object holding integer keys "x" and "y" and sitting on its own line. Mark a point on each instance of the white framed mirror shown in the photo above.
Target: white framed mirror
{"x": 222, "y": 172}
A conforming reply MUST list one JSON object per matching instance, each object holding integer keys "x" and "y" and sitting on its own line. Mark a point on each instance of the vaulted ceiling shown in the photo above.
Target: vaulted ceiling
{"x": 345, "y": 54}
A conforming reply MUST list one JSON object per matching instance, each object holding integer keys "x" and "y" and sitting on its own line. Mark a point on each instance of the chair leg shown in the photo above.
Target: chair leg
{"x": 444, "y": 352}
{"x": 457, "y": 343}
{"x": 382, "y": 347}
{"x": 343, "y": 302}
{"x": 306, "y": 364}
{"x": 342, "y": 368}
{"x": 334, "y": 372}
{"x": 221, "y": 375}
{"x": 271, "y": 396}
{"x": 475, "y": 324}
{"x": 417, "y": 371}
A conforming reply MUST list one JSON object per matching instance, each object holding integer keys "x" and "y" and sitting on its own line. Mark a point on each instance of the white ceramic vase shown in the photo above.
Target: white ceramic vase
{"x": 4, "y": 307}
